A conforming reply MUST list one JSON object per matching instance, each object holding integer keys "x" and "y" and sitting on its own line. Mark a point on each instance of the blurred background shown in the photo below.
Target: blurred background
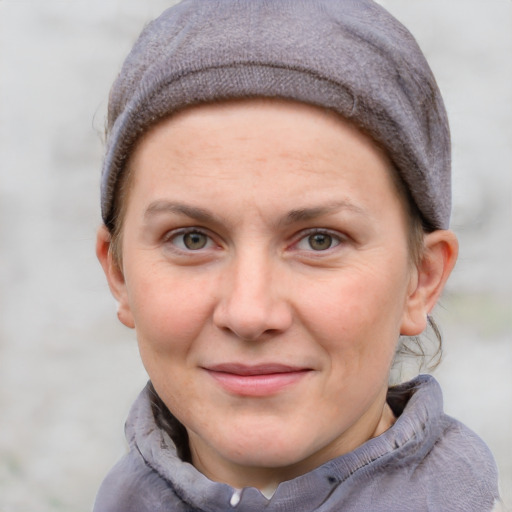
{"x": 68, "y": 371}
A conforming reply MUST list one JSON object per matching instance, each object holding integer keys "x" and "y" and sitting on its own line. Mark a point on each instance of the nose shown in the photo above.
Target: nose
{"x": 252, "y": 302}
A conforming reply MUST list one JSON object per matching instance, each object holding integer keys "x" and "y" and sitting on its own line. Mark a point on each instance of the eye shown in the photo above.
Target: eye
{"x": 191, "y": 241}
{"x": 318, "y": 241}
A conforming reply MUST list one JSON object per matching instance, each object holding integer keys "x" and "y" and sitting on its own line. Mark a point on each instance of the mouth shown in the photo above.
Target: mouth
{"x": 256, "y": 380}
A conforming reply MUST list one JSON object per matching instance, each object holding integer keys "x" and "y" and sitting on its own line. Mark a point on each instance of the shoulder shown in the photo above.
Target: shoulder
{"x": 459, "y": 470}
{"x": 447, "y": 465}
{"x": 438, "y": 439}
{"x": 461, "y": 456}
{"x": 132, "y": 486}
{"x": 150, "y": 477}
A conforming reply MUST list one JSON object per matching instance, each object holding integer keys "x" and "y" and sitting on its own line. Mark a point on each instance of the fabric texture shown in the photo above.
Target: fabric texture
{"x": 350, "y": 56}
{"x": 426, "y": 462}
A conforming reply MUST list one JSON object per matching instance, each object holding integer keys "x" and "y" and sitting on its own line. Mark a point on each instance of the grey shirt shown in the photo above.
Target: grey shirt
{"x": 427, "y": 461}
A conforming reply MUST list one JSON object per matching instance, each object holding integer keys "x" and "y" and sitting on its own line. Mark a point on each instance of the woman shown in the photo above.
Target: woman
{"x": 276, "y": 201}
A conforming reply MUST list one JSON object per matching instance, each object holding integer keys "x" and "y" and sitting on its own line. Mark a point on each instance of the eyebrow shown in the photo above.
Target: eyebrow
{"x": 305, "y": 214}
{"x": 199, "y": 214}
{"x": 205, "y": 216}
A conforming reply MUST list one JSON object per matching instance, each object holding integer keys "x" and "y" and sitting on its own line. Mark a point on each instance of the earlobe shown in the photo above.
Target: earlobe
{"x": 114, "y": 275}
{"x": 437, "y": 262}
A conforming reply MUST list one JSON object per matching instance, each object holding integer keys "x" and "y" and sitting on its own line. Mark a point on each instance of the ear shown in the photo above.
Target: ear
{"x": 114, "y": 275}
{"x": 437, "y": 261}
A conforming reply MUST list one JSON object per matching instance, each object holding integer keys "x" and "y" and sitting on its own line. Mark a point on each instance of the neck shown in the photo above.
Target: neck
{"x": 267, "y": 479}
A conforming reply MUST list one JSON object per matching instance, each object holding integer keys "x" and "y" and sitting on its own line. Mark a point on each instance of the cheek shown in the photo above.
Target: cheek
{"x": 170, "y": 310}
{"x": 356, "y": 316}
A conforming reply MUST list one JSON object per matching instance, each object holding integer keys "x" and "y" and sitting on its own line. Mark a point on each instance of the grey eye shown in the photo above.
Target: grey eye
{"x": 195, "y": 241}
{"x": 320, "y": 241}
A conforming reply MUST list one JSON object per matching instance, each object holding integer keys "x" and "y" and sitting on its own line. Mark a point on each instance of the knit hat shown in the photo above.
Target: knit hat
{"x": 350, "y": 56}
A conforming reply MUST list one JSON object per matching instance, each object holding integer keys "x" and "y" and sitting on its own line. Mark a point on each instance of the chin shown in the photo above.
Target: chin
{"x": 277, "y": 451}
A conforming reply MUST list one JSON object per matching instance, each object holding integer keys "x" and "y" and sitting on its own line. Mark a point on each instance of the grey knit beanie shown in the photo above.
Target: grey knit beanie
{"x": 350, "y": 56}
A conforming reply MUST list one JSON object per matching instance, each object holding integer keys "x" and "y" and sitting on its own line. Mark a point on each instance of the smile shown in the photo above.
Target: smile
{"x": 256, "y": 381}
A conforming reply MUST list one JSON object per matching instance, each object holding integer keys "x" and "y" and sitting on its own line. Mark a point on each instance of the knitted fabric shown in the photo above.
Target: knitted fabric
{"x": 350, "y": 56}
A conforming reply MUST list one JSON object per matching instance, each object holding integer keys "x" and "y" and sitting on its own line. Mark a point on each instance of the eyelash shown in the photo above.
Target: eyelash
{"x": 336, "y": 240}
{"x": 176, "y": 239}
{"x": 174, "y": 236}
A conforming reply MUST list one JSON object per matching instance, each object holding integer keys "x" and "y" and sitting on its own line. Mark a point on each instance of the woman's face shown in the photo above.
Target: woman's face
{"x": 266, "y": 271}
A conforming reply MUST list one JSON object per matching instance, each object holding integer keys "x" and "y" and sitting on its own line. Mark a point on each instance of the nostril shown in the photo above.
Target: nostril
{"x": 247, "y": 332}
{"x": 249, "y": 304}
{"x": 252, "y": 325}
{"x": 258, "y": 335}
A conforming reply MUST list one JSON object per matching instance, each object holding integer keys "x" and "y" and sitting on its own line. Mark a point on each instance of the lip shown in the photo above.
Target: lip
{"x": 256, "y": 380}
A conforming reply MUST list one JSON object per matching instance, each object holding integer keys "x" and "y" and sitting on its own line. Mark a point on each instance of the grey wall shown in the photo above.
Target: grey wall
{"x": 68, "y": 371}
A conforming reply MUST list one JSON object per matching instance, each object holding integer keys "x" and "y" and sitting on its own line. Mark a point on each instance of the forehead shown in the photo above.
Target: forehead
{"x": 284, "y": 127}
{"x": 275, "y": 147}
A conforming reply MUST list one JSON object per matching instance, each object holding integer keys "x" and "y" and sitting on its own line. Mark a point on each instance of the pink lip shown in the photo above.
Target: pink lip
{"x": 259, "y": 380}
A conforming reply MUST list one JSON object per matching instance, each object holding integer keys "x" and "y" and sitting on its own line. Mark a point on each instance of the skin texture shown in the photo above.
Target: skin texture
{"x": 267, "y": 238}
